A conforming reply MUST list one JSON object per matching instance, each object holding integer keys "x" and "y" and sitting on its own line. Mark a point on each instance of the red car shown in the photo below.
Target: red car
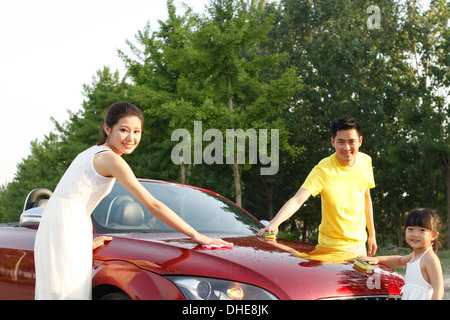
{"x": 148, "y": 260}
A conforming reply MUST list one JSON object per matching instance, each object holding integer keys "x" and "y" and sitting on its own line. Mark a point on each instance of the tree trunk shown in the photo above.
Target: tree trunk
{"x": 182, "y": 173}
{"x": 237, "y": 179}
{"x": 400, "y": 232}
{"x": 447, "y": 185}
{"x": 268, "y": 191}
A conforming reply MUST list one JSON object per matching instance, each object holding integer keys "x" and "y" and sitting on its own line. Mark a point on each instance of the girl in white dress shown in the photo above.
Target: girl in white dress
{"x": 423, "y": 278}
{"x": 64, "y": 244}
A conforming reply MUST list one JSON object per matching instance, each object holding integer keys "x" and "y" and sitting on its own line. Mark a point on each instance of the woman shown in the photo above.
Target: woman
{"x": 64, "y": 244}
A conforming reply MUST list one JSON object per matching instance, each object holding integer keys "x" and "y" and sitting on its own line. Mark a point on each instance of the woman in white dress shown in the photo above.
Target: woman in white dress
{"x": 64, "y": 240}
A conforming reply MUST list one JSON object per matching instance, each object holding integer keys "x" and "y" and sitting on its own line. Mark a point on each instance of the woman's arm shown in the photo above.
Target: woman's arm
{"x": 109, "y": 164}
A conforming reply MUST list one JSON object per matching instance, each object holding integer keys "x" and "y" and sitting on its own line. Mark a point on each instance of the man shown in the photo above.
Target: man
{"x": 343, "y": 181}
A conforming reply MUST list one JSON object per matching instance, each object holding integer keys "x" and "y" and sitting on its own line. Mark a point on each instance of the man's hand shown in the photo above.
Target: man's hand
{"x": 269, "y": 229}
{"x": 371, "y": 246}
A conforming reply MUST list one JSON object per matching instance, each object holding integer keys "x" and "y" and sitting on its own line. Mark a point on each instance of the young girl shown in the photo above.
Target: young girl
{"x": 64, "y": 244}
{"x": 423, "y": 278}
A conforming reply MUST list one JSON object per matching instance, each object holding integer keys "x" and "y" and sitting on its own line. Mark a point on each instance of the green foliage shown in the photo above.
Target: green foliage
{"x": 292, "y": 66}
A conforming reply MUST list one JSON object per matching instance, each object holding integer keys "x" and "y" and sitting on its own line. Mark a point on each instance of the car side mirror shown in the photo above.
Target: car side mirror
{"x": 34, "y": 207}
{"x": 265, "y": 223}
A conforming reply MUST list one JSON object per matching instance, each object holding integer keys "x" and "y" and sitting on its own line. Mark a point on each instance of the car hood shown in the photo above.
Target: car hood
{"x": 288, "y": 269}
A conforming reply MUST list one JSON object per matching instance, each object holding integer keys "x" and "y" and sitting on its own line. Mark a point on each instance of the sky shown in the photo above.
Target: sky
{"x": 48, "y": 50}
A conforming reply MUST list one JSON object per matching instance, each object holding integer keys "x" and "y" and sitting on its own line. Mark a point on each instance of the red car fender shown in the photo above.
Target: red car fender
{"x": 137, "y": 283}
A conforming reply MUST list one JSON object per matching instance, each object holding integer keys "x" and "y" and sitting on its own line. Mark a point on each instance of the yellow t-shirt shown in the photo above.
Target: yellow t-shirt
{"x": 342, "y": 192}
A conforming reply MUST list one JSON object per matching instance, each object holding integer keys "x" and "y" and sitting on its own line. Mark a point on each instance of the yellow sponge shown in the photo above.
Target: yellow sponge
{"x": 270, "y": 236}
{"x": 363, "y": 266}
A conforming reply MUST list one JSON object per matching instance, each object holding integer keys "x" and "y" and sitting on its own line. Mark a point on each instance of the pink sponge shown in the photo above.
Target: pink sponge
{"x": 229, "y": 245}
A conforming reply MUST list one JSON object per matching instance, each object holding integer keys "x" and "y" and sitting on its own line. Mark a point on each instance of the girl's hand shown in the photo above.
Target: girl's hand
{"x": 99, "y": 241}
{"x": 370, "y": 260}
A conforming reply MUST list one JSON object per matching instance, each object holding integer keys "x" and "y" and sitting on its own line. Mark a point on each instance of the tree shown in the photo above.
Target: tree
{"x": 41, "y": 169}
{"x": 213, "y": 69}
{"x": 156, "y": 71}
{"x": 428, "y": 120}
{"x": 349, "y": 67}
{"x": 83, "y": 128}
{"x": 49, "y": 158}
{"x": 293, "y": 67}
{"x": 242, "y": 77}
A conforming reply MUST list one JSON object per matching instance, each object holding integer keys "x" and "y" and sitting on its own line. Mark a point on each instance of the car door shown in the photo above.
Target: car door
{"x": 17, "y": 275}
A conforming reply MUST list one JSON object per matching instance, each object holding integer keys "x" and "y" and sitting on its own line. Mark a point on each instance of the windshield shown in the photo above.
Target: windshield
{"x": 206, "y": 212}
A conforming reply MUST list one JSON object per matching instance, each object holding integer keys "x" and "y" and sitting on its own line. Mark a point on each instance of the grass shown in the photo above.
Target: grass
{"x": 444, "y": 256}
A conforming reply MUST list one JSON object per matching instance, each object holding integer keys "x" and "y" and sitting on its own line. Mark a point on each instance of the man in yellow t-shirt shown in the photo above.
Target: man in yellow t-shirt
{"x": 343, "y": 181}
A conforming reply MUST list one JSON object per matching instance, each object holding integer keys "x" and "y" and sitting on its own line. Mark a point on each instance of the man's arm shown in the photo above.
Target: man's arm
{"x": 371, "y": 241}
{"x": 289, "y": 208}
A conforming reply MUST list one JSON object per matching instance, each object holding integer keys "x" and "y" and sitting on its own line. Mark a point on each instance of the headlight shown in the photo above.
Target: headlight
{"x": 198, "y": 288}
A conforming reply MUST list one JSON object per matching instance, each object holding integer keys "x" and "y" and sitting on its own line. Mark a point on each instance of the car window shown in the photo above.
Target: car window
{"x": 206, "y": 212}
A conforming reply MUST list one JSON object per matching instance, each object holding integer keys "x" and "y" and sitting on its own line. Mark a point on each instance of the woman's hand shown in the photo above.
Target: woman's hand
{"x": 201, "y": 240}
{"x": 99, "y": 241}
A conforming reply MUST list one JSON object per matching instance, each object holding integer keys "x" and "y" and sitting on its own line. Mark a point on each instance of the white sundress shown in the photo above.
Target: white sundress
{"x": 416, "y": 287}
{"x": 63, "y": 246}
